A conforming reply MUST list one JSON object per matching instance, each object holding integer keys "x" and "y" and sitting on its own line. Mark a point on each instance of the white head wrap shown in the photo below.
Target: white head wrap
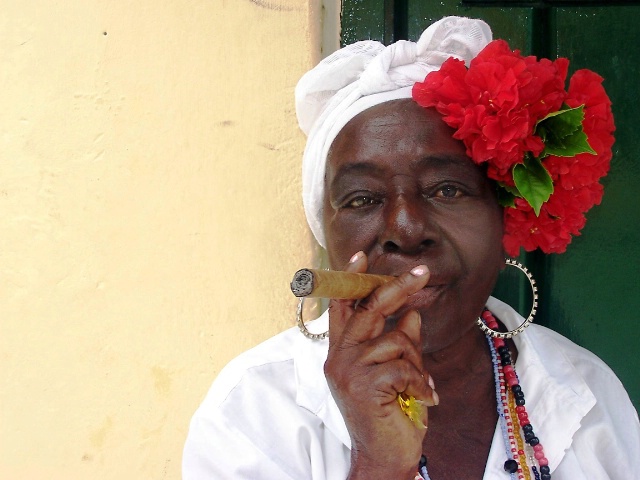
{"x": 365, "y": 74}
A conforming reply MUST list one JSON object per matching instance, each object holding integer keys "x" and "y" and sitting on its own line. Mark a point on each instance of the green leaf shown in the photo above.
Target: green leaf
{"x": 533, "y": 182}
{"x": 507, "y": 194}
{"x": 562, "y": 133}
{"x": 563, "y": 122}
{"x": 505, "y": 197}
{"x": 511, "y": 190}
{"x": 570, "y": 147}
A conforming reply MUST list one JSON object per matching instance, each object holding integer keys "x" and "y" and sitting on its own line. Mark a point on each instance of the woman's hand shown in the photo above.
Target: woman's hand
{"x": 367, "y": 368}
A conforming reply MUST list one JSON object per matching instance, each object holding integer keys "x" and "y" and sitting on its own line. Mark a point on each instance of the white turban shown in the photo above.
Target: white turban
{"x": 365, "y": 74}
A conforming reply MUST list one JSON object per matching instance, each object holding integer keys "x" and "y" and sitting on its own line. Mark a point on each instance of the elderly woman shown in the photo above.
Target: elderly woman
{"x": 427, "y": 166}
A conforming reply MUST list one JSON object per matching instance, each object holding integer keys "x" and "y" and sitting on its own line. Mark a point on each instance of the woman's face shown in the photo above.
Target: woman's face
{"x": 401, "y": 189}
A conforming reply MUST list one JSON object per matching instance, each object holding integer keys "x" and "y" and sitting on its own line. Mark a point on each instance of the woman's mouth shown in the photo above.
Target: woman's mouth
{"x": 425, "y": 298}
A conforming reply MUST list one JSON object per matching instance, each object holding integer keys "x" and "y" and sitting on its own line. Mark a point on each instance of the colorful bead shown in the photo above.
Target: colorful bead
{"x": 535, "y": 473}
{"x": 510, "y": 405}
{"x": 511, "y": 466}
{"x": 518, "y": 415}
{"x": 501, "y": 397}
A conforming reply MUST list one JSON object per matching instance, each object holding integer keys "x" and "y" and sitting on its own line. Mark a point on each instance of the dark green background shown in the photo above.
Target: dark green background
{"x": 591, "y": 293}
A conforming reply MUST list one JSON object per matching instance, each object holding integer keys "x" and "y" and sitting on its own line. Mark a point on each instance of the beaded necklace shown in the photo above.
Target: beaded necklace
{"x": 525, "y": 454}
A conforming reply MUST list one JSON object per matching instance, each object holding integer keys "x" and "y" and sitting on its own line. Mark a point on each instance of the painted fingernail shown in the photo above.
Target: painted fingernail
{"x": 436, "y": 398}
{"x": 431, "y": 383}
{"x": 355, "y": 257}
{"x": 419, "y": 270}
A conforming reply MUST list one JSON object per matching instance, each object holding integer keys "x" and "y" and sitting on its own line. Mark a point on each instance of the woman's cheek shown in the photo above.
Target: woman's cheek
{"x": 347, "y": 234}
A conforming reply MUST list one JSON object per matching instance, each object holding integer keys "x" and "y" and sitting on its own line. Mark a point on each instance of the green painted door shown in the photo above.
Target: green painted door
{"x": 591, "y": 293}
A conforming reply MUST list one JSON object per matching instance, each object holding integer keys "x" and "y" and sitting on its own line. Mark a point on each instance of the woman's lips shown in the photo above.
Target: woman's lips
{"x": 420, "y": 300}
{"x": 437, "y": 285}
{"x": 425, "y": 297}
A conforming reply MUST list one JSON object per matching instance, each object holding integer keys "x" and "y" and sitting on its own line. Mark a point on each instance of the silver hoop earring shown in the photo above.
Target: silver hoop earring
{"x": 303, "y": 327}
{"x": 527, "y": 322}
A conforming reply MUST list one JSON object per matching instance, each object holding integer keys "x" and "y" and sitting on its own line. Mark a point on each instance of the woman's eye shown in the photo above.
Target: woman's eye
{"x": 448, "y": 191}
{"x": 361, "y": 201}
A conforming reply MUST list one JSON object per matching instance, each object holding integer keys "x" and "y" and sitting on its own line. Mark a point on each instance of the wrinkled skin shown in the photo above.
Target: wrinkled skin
{"x": 401, "y": 192}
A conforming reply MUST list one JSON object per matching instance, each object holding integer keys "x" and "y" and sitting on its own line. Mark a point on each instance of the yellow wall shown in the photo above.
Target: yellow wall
{"x": 150, "y": 218}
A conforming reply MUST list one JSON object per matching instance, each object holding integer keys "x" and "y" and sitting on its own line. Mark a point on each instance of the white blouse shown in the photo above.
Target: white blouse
{"x": 270, "y": 415}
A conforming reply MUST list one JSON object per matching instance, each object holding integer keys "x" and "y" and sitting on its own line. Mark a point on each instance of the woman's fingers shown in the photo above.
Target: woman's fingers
{"x": 386, "y": 299}
{"x": 411, "y": 325}
{"x": 364, "y": 325}
{"x": 395, "y": 366}
{"x": 368, "y": 321}
{"x": 393, "y": 344}
{"x": 399, "y": 376}
{"x": 369, "y": 318}
{"x": 368, "y": 365}
{"x": 341, "y": 310}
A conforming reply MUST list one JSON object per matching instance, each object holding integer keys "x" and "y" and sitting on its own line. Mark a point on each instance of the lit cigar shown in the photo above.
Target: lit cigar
{"x": 335, "y": 284}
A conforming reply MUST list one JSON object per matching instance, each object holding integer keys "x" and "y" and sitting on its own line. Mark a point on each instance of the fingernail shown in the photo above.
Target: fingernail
{"x": 436, "y": 398}
{"x": 431, "y": 383}
{"x": 419, "y": 270}
{"x": 355, "y": 257}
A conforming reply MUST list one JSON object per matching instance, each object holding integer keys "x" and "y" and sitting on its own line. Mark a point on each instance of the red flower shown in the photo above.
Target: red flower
{"x": 495, "y": 105}
{"x": 448, "y": 82}
{"x": 560, "y": 218}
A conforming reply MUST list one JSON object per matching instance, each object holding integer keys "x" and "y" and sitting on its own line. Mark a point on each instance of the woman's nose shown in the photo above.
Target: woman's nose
{"x": 407, "y": 228}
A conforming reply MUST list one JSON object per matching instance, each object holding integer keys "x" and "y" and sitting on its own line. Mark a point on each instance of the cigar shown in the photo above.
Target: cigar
{"x": 335, "y": 284}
